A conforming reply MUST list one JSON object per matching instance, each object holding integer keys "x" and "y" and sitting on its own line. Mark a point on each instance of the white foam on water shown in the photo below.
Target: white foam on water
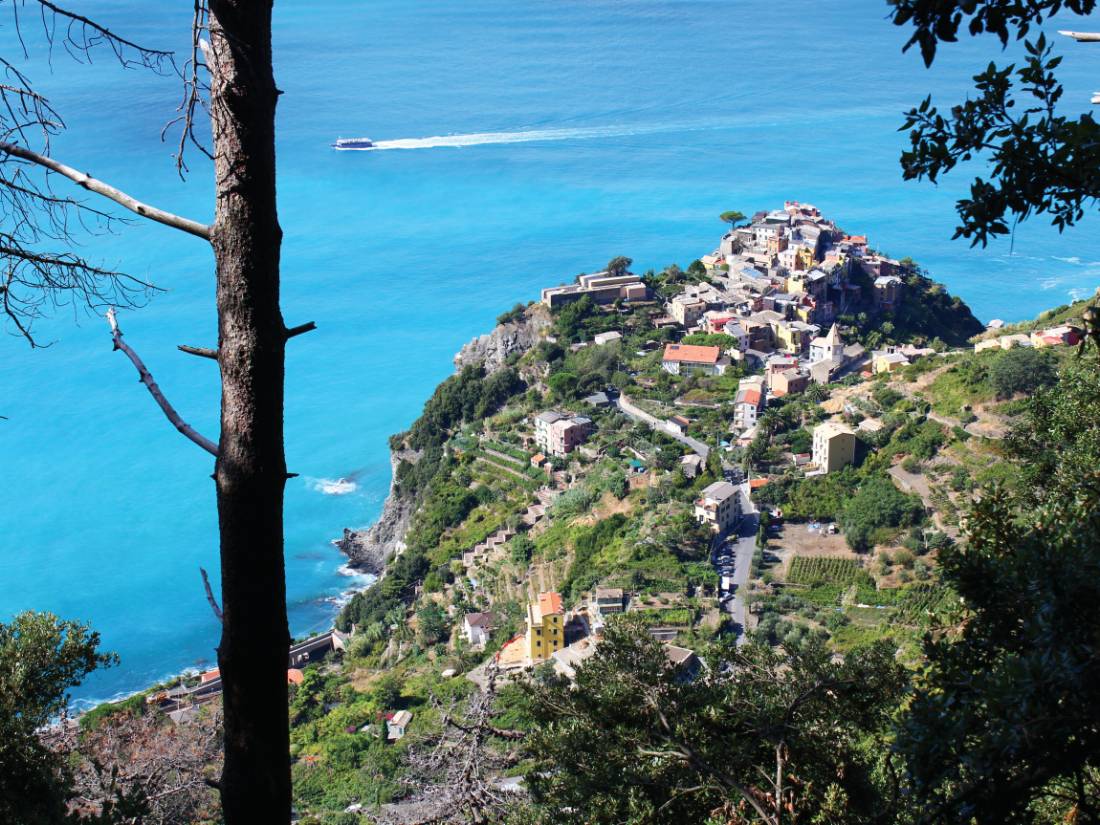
{"x": 333, "y": 486}
{"x": 529, "y": 136}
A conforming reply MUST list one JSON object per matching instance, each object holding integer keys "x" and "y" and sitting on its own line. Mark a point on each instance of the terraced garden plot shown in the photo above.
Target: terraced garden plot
{"x": 812, "y": 570}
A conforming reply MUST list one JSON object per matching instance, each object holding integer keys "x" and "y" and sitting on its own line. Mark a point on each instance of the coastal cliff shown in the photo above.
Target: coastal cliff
{"x": 513, "y": 337}
{"x": 370, "y": 549}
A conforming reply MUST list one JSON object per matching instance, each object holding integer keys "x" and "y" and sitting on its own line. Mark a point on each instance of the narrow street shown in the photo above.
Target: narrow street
{"x": 732, "y": 558}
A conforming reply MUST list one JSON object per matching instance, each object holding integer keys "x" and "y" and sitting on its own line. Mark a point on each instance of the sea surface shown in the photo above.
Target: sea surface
{"x": 525, "y": 142}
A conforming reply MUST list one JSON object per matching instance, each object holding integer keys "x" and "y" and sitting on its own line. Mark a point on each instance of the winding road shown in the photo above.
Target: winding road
{"x": 638, "y": 414}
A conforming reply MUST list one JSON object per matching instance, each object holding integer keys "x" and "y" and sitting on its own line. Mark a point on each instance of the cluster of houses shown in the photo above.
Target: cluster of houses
{"x": 781, "y": 279}
{"x": 1061, "y": 336}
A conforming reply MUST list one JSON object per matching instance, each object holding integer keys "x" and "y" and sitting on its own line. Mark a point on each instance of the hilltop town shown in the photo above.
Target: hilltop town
{"x": 773, "y": 444}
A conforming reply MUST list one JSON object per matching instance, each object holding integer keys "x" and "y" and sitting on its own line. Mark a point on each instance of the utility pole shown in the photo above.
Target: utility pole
{"x": 1085, "y": 37}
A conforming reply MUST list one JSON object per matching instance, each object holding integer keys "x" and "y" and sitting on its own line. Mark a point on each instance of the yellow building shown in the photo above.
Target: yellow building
{"x": 804, "y": 257}
{"x": 796, "y": 282}
{"x": 834, "y": 446}
{"x": 887, "y": 362}
{"x": 545, "y": 627}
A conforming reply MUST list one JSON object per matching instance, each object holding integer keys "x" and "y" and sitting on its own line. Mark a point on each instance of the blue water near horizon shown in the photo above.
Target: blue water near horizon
{"x": 652, "y": 116}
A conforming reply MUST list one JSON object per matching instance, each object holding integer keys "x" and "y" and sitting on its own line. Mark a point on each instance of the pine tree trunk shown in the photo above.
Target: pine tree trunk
{"x": 250, "y": 472}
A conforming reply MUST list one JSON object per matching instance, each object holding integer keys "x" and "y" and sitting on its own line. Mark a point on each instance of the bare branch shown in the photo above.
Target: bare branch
{"x": 86, "y": 181}
{"x": 301, "y": 329}
{"x": 146, "y": 378}
{"x": 210, "y": 595}
{"x": 202, "y": 352}
{"x": 107, "y": 33}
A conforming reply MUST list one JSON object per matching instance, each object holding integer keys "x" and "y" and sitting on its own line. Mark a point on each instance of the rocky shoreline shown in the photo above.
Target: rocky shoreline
{"x": 369, "y": 550}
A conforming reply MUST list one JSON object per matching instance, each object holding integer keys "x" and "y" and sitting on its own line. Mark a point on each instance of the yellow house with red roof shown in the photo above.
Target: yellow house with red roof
{"x": 545, "y": 627}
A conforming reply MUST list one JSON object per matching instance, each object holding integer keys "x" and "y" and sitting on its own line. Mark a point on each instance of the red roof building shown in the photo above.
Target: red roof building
{"x": 690, "y": 354}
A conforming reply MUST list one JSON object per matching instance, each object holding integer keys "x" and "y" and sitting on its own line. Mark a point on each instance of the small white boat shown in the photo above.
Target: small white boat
{"x": 353, "y": 143}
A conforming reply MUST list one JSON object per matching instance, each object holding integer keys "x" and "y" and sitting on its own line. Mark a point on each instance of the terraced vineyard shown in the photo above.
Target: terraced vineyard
{"x": 814, "y": 570}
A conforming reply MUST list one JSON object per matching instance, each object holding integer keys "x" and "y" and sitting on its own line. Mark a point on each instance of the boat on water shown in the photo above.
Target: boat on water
{"x": 353, "y": 143}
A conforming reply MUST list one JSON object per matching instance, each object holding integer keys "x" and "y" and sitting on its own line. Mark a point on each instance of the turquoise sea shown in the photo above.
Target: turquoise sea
{"x": 566, "y": 132}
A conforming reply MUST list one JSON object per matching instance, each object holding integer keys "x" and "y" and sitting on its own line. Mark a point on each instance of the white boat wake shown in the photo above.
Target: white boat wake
{"x": 482, "y": 138}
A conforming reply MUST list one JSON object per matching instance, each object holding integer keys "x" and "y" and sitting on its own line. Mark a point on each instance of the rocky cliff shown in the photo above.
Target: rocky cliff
{"x": 370, "y": 549}
{"x": 494, "y": 349}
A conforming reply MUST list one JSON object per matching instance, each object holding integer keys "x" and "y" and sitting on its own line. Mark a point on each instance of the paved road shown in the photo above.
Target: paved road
{"x": 638, "y": 414}
{"x": 741, "y": 545}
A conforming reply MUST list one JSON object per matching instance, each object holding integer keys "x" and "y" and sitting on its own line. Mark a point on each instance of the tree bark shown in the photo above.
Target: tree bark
{"x": 250, "y": 472}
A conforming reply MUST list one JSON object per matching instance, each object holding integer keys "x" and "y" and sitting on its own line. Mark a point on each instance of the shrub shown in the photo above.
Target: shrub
{"x": 904, "y": 557}
{"x": 512, "y": 315}
{"x": 876, "y": 505}
{"x": 1022, "y": 370}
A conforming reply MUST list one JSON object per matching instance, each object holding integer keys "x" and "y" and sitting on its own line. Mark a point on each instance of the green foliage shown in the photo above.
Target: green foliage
{"x": 468, "y": 396}
{"x": 516, "y": 313}
{"x": 807, "y": 499}
{"x": 1039, "y": 160}
{"x": 431, "y": 624}
{"x": 582, "y": 573}
{"x": 574, "y": 502}
{"x": 619, "y": 265}
{"x": 713, "y": 733}
{"x": 569, "y": 320}
{"x": 1007, "y": 716}
{"x": 563, "y": 385}
{"x": 732, "y": 217}
{"x": 521, "y": 549}
{"x": 885, "y": 396}
{"x": 1022, "y": 370}
{"x": 668, "y": 617}
{"x": 1058, "y": 440}
{"x": 813, "y": 570}
{"x": 386, "y": 691}
{"x": 877, "y": 504}
{"x": 800, "y": 441}
{"x": 41, "y": 658}
{"x": 709, "y": 339}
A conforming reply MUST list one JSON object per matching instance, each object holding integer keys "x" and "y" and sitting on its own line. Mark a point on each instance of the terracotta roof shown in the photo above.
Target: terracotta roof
{"x": 757, "y": 483}
{"x": 549, "y": 603}
{"x": 748, "y": 397}
{"x": 692, "y": 354}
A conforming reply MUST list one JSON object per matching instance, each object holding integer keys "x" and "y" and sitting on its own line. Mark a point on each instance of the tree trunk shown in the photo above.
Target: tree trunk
{"x": 250, "y": 472}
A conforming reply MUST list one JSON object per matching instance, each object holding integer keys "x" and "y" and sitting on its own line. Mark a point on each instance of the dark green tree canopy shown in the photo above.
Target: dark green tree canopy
{"x": 619, "y": 265}
{"x": 638, "y": 740}
{"x": 1039, "y": 161}
{"x": 41, "y": 658}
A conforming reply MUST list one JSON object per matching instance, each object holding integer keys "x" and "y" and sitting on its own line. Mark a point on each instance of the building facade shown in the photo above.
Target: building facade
{"x": 559, "y": 434}
{"x": 834, "y": 446}
{"x": 718, "y": 506}
{"x": 545, "y": 627}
